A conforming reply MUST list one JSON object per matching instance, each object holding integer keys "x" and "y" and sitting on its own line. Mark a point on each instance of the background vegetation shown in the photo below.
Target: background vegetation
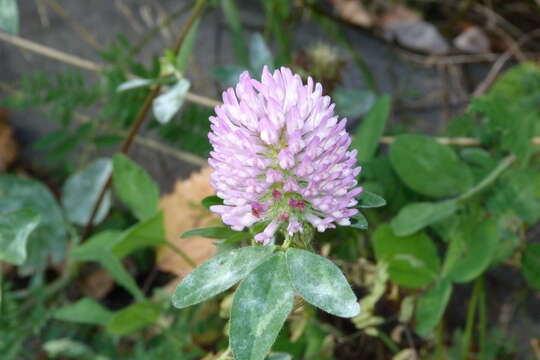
{"x": 90, "y": 246}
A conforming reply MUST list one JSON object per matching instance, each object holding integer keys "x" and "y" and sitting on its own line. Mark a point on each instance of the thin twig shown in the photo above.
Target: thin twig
{"x": 182, "y": 254}
{"x": 458, "y": 141}
{"x": 501, "y": 61}
{"x": 76, "y": 25}
{"x": 490, "y": 14}
{"x": 202, "y": 100}
{"x": 42, "y": 12}
{"x": 49, "y": 52}
{"x": 195, "y": 98}
{"x": 180, "y": 155}
{"x": 156, "y": 29}
{"x": 410, "y": 340}
{"x": 139, "y": 139}
{"x": 83, "y": 63}
{"x": 128, "y": 14}
{"x": 141, "y": 115}
{"x": 432, "y": 60}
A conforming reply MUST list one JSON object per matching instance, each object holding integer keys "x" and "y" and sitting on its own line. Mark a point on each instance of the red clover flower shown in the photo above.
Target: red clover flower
{"x": 280, "y": 156}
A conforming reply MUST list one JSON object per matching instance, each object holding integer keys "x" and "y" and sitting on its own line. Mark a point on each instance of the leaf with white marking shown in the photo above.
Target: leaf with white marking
{"x": 15, "y": 228}
{"x": 259, "y": 54}
{"x": 134, "y": 83}
{"x": 321, "y": 283}
{"x": 260, "y": 307}
{"x": 170, "y": 102}
{"x": 81, "y": 192}
{"x": 218, "y": 274}
{"x": 9, "y": 16}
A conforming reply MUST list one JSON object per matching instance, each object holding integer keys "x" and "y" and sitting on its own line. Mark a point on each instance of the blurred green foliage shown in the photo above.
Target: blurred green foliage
{"x": 453, "y": 215}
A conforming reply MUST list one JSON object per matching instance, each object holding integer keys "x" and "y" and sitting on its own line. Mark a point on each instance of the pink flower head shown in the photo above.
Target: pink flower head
{"x": 281, "y": 156}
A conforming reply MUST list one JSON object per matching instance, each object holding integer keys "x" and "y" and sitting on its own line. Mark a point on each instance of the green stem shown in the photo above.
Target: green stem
{"x": 440, "y": 353}
{"x": 471, "y": 312}
{"x": 156, "y": 29}
{"x": 489, "y": 179}
{"x": 181, "y": 253}
{"x": 482, "y": 315}
{"x": 388, "y": 342}
{"x": 141, "y": 116}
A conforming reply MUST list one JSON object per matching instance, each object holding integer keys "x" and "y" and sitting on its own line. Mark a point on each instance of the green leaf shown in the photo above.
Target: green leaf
{"x": 135, "y": 187}
{"x": 134, "y": 84}
{"x": 228, "y": 75}
{"x": 211, "y": 200}
{"x": 84, "y": 311}
{"x": 428, "y": 167}
{"x": 134, "y": 317}
{"x": 218, "y": 274}
{"x": 370, "y": 200}
{"x": 99, "y": 249}
{"x": 530, "y": 265}
{"x": 236, "y": 238}
{"x": 472, "y": 247}
{"x": 412, "y": 260}
{"x": 366, "y": 138}
{"x": 359, "y": 221}
{"x": 187, "y": 47}
{"x": 431, "y": 306}
{"x": 259, "y": 309}
{"x": 105, "y": 141}
{"x": 214, "y": 232}
{"x": 517, "y": 191}
{"x": 233, "y": 20}
{"x": 102, "y": 241}
{"x": 15, "y": 228}
{"x": 416, "y": 216}
{"x": 167, "y": 104}
{"x": 147, "y": 233}
{"x": 82, "y": 189}
{"x": 48, "y": 241}
{"x": 353, "y": 103}
{"x": 511, "y": 124}
{"x": 9, "y": 16}
{"x": 478, "y": 157}
{"x": 259, "y": 54}
{"x": 114, "y": 267}
{"x": 321, "y": 283}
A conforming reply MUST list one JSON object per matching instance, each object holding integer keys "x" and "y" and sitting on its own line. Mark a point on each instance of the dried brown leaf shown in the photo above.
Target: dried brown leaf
{"x": 8, "y": 145}
{"x": 96, "y": 283}
{"x": 183, "y": 211}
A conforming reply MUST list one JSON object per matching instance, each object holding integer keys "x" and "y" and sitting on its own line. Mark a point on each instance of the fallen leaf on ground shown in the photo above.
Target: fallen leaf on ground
{"x": 183, "y": 211}
{"x": 535, "y": 344}
{"x": 407, "y": 28}
{"x": 8, "y": 145}
{"x": 353, "y": 11}
{"x": 96, "y": 283}
{"x": 472, "y": 40}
